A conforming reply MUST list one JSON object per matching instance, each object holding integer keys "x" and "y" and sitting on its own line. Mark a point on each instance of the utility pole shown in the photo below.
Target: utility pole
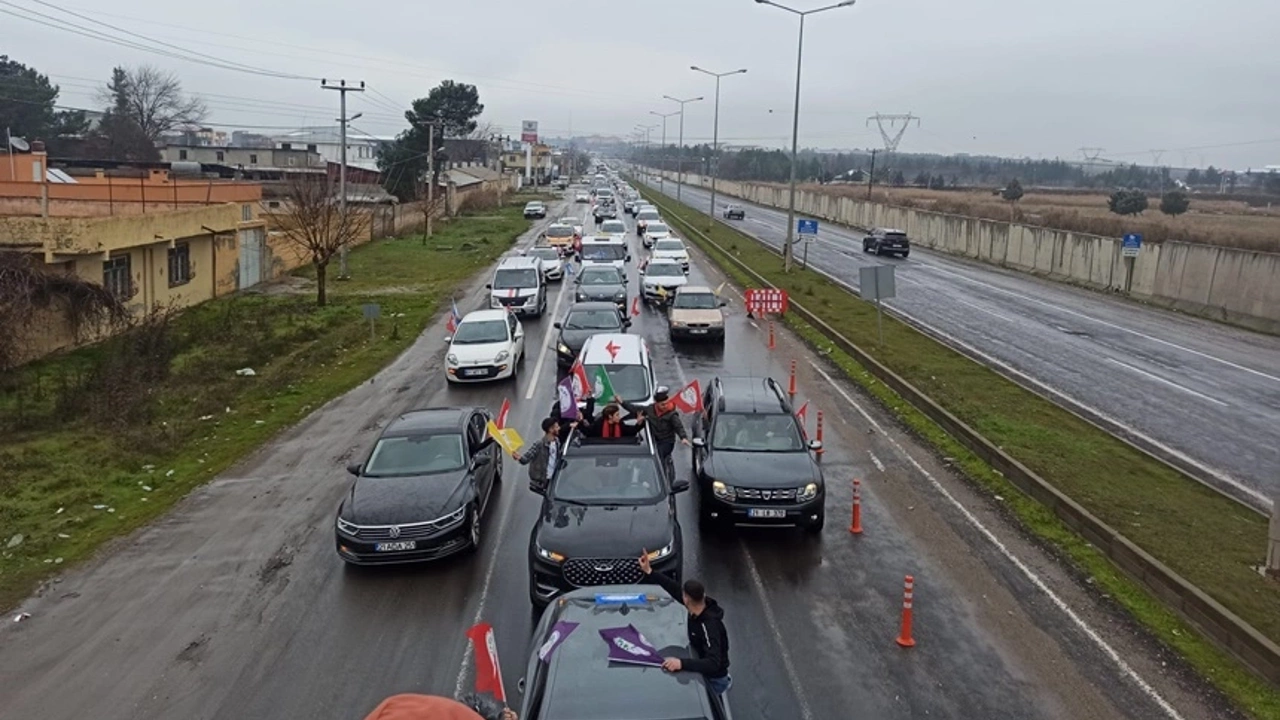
{"x": 662, "y": 179}
{"x": 431, "y": 176}
{"x": 343, "y": 121}
{"x": 680, "y": 150}
{"x": 871, "y": 176}
{"x": 715, "y": 137}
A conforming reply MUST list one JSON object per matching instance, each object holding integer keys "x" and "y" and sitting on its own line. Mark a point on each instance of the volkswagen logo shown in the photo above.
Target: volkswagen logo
{"x": 394, "y": 531}
{"x": 603, "y": 567}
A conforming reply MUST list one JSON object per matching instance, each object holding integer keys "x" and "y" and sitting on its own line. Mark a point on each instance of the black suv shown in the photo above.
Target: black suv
{"x": 886, "y": 240}
{"x": 608, "y": 501}
{"x": 752, "y": 460}
{"x": 583, "y": 320}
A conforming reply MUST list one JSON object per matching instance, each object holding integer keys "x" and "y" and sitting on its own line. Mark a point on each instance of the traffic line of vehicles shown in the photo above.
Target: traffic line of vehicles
{"x": 423, "y": 489}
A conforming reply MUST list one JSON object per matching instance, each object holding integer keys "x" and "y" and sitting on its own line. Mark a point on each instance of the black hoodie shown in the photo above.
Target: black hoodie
{"x": 707, "y": 636}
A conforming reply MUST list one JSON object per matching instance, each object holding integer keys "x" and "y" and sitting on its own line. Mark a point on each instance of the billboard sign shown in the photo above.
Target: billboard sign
{"x": 529, "y": 131}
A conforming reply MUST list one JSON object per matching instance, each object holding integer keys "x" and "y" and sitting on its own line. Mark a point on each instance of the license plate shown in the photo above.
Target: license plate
{"x": 396, "y": 546}
{"x": 475, "y": 372}
{"x": 763, "y": 513}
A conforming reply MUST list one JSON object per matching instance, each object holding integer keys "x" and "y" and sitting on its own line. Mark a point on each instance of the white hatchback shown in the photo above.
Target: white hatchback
{"x": 487, "y": 345}
{"x": 672, "y": 249}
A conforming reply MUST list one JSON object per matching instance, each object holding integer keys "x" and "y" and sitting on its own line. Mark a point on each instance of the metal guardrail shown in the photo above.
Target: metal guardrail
{"x": 1229, "y": 631}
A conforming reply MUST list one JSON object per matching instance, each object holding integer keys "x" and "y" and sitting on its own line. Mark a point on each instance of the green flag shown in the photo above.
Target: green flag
{"x": 604, "y": 388}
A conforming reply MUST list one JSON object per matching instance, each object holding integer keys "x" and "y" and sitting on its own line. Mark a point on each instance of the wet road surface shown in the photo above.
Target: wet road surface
{"x": 236, "y": 606}
{"x": 1203, "y": 394}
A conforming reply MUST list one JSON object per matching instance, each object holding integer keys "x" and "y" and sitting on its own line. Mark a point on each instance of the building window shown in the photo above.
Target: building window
{"x": 180, "y": 265}
{"x": 286, "y": 146}
{"x": 220, "y": 156}
{"x": 182, "y": 154}
{"x": 117, "y": 277}
{"x": 246, "y": 213}
{"x": 311, "y": 147}
{"x": 253, "y": 158}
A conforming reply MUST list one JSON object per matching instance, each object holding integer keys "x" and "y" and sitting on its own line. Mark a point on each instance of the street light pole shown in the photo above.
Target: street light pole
{"x": 788, "y": 247}
{"x": 662, "y": 179}
{"x": 680, "y": 151}
{"x": 715, "y": 137}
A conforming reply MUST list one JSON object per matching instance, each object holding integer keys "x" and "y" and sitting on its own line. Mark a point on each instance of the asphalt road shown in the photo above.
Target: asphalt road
{"x": 1202, "y": 394}
{"x": 235, "y": 606}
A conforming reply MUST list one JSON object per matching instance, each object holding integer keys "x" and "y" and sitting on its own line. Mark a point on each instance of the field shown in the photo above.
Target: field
{"x": 1210, "y": 221}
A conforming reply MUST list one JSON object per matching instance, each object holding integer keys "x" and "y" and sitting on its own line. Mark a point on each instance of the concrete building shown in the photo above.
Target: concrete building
{"x": 362, "y": 149}
{"x": 542, "y": 160}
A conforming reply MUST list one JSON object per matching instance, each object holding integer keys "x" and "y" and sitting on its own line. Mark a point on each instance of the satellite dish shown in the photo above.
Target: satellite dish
{"x": 17, "y": 144}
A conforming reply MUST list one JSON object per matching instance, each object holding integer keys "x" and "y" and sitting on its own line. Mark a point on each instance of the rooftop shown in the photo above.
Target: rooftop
{"x": 416, "y": 421}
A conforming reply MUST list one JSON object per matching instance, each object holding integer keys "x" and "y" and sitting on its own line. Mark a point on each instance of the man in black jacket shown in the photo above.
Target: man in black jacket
{"x": 707, "y": 636}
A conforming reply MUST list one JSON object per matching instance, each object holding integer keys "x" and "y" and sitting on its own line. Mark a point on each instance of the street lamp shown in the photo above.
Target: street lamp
{"x": 787, "y": 251}
{"x": 680, "y": 152}
{"x": 715, "y": 135}
{"x": 662, "y": 179}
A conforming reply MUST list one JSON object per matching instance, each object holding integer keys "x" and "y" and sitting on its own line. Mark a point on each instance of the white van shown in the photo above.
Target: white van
{"x": 625, "y": 359}
{"x": 518, "y": 284}
{"x": 605, "y": 250}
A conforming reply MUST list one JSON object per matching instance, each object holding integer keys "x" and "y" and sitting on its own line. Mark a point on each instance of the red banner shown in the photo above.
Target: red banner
{"x": 501, "y": 420}
{"x": 488, "y": 670}
{"x": 690, "y": 398}
{"x": 766, "y": 301}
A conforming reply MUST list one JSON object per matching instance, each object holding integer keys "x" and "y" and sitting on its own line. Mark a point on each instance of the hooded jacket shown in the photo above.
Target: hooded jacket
{"x": 707, "y": 635}
{"x": 666, "y": 426}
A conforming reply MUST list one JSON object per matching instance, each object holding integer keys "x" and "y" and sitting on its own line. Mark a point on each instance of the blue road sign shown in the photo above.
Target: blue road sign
{"x": 1132, "y": 244}
{"x": 807, "y": 227}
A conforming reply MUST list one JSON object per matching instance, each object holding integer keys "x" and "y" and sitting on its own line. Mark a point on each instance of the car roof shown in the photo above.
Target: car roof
{"x": 519, "y": 263}
{"x": 483, "y": 315}
{"x": 562, "y": 226}
{"x": 582, "y": 684}
{"x": 627, "y": 350}
{"x": 592, "y": 305}
{"x": 533, "y": 202}
{"x": 890, "y": 230}
{"x": 664, "y": 262}
{"x": 693, "y": 290}
{"x": 427, "y": 419}
{"x": 759, "y": 395}
{"x": 603, "y": 239}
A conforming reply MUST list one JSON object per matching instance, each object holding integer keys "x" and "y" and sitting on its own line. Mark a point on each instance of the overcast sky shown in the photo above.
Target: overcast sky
{"x": 1008, "y": 77}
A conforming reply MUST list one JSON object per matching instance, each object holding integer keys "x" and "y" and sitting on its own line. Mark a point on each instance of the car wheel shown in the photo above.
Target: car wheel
{"x": 815, "y": 527}
{"x": 865, "y": 247}
{"x": 473, "y": 528}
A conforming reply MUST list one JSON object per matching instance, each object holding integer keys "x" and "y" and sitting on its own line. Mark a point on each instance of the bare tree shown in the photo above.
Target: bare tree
{"x": 153, "y": 99}
{"x": 29, "y": 288}
{"x": 312, "y": 219}
{"x": 432, "y": 203}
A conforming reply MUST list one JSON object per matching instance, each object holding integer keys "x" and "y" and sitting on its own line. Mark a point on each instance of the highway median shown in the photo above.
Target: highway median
{"x": 1158, "y": 514}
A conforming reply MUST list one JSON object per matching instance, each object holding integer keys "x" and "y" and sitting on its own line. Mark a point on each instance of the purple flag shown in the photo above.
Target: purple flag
{"x": 559, "y": 632}
{"x": 627, "y": 645}
{"x": 568, "y": 400}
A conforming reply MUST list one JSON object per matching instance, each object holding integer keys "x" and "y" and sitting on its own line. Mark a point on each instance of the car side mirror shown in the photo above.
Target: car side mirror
{"x": 354, "y": 468}
{"x": 815, "y": 444}
{"x": 481, "y": 461}
{"x": 724, "y": 303}
{"x": 489, "y": 286}
{"x": 680, "y": 486}
{"x": 556, "y": 326}
{"x": 626, "y": 323}
{"x": 627, "y": 259}
{"x": 448, "y": 339}
{"x": 523, "y": 251}
{"x": 520, "y": 686}
{"x": 698, "y": 442}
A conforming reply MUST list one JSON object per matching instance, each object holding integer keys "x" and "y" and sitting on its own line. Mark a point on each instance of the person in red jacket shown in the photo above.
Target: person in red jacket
{"x": 429, "y": 707}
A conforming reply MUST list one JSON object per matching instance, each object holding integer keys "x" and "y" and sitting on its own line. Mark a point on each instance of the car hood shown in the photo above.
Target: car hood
{"x": 688, "y": 315}
{"x": 602, "y": 292}
{"x": 655, "y": 236}
{"x": 481, "y": 354}
{"x": 400, "y": 500}
{"x": 666, "y": 281}
{"x": 681, "y": 254}
{"x": 762, "y": 469}
{"x": 605, "y": 531}
{"x": 575, "y": 338}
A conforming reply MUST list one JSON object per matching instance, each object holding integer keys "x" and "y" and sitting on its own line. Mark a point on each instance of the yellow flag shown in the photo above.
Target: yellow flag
{"x": 662, "y": 292}
{"x": 508, "y": 438}
{"x": 721, "y": 288}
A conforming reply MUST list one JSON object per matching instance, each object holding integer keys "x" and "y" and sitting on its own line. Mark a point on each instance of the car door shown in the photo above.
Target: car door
{"x": 484, "y": 472}
{"x": 517, "y": 336}
{"x": 704, "y": 424}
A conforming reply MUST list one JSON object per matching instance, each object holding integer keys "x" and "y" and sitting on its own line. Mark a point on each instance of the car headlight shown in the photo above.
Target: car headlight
{"x": 664, "y": 552}
{"x": 564, "y": 349}
{"x": 532, "y": 299}
{"x": 808, "y": 492}
{"x": 678, "y": 323}
{"x": 347, "y": 528}
{"x": 452, "y": 518}
{"x": 502, "y": 356}
{"x": 722, "y": 491}
{"x": 546, "y": 554}
{"x": 620, "y": 296}
{"x": 581, "y": 296}
{"x": 453, "y": 359}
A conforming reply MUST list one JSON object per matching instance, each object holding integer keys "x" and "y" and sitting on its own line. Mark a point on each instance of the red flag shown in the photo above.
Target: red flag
{"x": 501, "y": 420}
{"x": 690, "y": 398}
{"x": 488, "y": 670}
{"x": 803, "y": 416}
{"x": 582, "y": 385}
{"x": 635, "y": 307}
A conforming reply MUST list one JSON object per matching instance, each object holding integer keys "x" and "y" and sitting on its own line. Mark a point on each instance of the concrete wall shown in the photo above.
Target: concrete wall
{"x": 1228, "y": 284}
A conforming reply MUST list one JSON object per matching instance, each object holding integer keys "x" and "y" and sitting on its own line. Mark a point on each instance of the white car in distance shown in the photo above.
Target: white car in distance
{"x": 672, "y": 249}
{"x": 660, "y": 279}
{"x": 487, "y": 345}
{"x": 552, "y": 261}
{"x": 613, "y": 228}
{"x": 655, "y": 231}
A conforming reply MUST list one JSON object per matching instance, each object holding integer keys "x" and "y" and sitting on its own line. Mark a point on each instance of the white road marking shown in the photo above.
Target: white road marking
{"x": 1111, "y": 325}
{"x": 1170, "y": 383}
{"x": 1030, "y": 574}
{"x": 876, "y": 461}
{"x": 979, "y": 308}
{"x": 546, "y": 346}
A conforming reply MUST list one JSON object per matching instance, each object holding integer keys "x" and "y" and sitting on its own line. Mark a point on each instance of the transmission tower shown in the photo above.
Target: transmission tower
{"x": 891, "y": 141}
{"x": 1091, "y": 154}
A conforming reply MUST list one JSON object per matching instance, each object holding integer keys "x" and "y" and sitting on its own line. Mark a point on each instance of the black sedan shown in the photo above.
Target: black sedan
{"x": 581, "y": 322}
{"x": 601, "y": 283}
{"x": 423, "y": 489}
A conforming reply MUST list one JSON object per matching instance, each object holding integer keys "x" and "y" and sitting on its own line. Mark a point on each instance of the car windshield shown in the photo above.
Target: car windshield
{"x": 604, "y": 192}
{"x": 658, "y": 270}
{"x": 559, "y": 231}
{"x": 614, "y": 226}
{"x": 533, "y": 206}
{"x": 515, "y": 279}
{"x": 415, "y": 455}
{"x": 756, "y": 433}
{"x": 648, "y": 215}
{"x": 630, "y": 382}
{"x": 603, "y": 253}
{"x": 545, "y": 253}
{"x": 608, "y": 481}
{"x": 895, "y": 236}
{"x": 697, "y": 301}
{"x": 607, "y": 319}
{"x": 601, "y": 276}
{"x": 656, "y": 228}
{"x": 669, "y": 245}
{"x": 570, "y": 221}
{"x": 480, "y": 332}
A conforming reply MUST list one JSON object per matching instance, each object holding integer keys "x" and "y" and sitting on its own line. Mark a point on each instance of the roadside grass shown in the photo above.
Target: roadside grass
{"x": 71, "y": 480}
{"x": 1208, "y": 539}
